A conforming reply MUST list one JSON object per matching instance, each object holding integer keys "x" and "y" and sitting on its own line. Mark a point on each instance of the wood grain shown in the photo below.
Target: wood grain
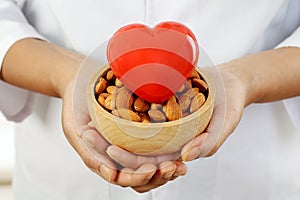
{"x": 149, "y": 138}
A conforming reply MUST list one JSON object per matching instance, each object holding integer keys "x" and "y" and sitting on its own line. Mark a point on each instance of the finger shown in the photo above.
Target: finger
{"x": 134, "y": 178}
{"x": 181, "y": 169}
{"x": 206, "y": 142}
{"x": 203, "y": 144}
{"x": 191, "y": 150}
{"x": 222, "y": 125}
{"x": 133, "y": 161}
{"x": 96, "y": 146}
{"x": 106, "y": 169}
{"x": 162, "y": 176}
{"x": 75, "y": 124}
{"x": 93, "y": 140}
{"x": 96, "y": 162}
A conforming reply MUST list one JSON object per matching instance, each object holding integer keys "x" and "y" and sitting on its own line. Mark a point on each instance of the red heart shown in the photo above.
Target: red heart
{"x": 153, "y": 62}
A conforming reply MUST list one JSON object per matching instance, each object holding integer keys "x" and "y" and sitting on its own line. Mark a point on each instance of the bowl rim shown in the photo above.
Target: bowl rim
{"x": 207, "y": 104}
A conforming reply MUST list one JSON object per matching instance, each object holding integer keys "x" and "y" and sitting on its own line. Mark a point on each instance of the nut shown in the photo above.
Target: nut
{"x": 172, "y": 109}
{"x": 181, "y": 89}
{"x": 120, "y": 101}
{"x": 195, "y": 74}
{"x": 197, "y": 102}
{"x": 200, "y": 84}
{"x": 112, "y": 89}
{"x": 110, "y": 102}
{"x": 188, "y": 85}
{"x": 129, "y": 115}
{"x": 144, "y": 117}
{"x": 100, "y": 86}
{"x": 185, "y": 114}
{"x": 104, "y": 95}
{"x": 124, "y": 98}
{"x": 184, "y": 102}
{"x": 155, "y": 106}
{"x": 110, "y": 75}
{"x": 157, "y": 115}
{"x": 141, "y": 105}
{"x": 192, "y": 92}
{"x": 118, "y": 83}
{"x": 101, "y": 101}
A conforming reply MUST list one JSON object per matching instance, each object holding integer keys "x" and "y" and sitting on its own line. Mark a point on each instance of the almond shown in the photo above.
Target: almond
{"x": 129, "y": 115}
{"x": 101, "y": 100}
{"x": 112, "y": 89}
{"x": 195, "y": 74}
{"x": 104, "y": 95}
{"x": 141, "y": 105}
{"x": 124, "y": 98}
{"x": 202, "y": 85}
{"x": 171, "y": 99}
{"x": 181, "y": 89}
{"x": 155, "y": 106}
{"x": 172, "y": 109}
{"x": 110, "y": 102}
{"x": 184, "y": 102}
{"x": 192, "y": 92}
{"x": 157, "y": 115}
{"x": 118, "y": 83}
{"x": 144, "y": 118}
{"x": 100, "y": 86}
{"x": 185, "y": 114}
{"x": 110, "y": 75}
{"x": 197, "y": 102}
{"x": 188, "y": 84}
{"x": 120, "y": 101}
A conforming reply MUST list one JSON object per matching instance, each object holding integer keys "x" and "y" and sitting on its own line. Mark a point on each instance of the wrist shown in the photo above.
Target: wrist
{"x": 64, "y": 73}
{"x": 235, "y": 74}
{"x": 267, "y": 76}
{"x": 40, "y": 66}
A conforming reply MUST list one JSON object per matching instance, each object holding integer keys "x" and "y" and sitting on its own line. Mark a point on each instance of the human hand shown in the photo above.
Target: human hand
{"x": 229, "y": 104}
{"x": 165, "y": 167}
{"x": 257, "y": 78}
{"x": 140, "y": 173}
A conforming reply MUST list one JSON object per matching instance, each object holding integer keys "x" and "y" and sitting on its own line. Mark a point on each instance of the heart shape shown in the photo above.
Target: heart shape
{"x": 153, "y": 62}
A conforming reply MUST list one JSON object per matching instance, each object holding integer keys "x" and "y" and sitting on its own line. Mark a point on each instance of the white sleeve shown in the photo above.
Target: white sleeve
{"x": 292, "y": 40}
{"x": 15, "y": 103}
{"x": 293, "y": 104}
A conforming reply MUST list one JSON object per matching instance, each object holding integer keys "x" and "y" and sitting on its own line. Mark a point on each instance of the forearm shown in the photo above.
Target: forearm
{"x": 40, "y": 66}
{"x": 268, "y": 76}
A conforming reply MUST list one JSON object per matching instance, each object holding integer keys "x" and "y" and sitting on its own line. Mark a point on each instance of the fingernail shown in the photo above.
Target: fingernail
{"x": 168, "y": 175}
{"x": 181, "y": 170}
{"x": 193, "y": 154}
{"x": 148, "y": 177}
{"x": 112, "y": 152}
{"x": 105, "y": 172}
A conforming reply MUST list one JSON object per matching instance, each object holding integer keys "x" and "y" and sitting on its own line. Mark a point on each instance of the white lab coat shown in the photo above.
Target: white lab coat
{"x": 259, "y": 161}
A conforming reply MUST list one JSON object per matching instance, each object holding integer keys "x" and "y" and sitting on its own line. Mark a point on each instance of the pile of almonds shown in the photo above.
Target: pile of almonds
{"x": 120, "y": 101}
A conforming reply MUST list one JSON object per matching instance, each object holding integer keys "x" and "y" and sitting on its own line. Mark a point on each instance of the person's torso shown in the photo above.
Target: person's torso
{"x": 250, "y": 165}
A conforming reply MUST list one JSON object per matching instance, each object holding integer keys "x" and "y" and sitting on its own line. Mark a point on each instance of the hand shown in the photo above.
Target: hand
{"x": 261, "y": 77}
{"x": 228, "y": 109}
{"x": 165, "y": 168}
{"x": 140, "y": 173}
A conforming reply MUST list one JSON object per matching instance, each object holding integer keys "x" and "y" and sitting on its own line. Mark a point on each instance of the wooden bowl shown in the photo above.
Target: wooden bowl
{"x": 149, "y": 139}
